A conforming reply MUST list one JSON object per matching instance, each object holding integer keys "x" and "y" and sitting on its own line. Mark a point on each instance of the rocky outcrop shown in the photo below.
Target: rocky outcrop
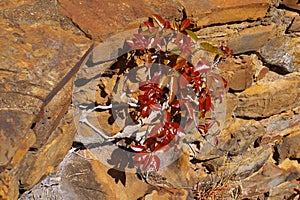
{"x": 42, "y": 156}
{"x": 37, "y": 56}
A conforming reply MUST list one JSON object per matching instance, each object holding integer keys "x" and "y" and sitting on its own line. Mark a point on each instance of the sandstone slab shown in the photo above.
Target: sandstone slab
{"x": 239, "y": 73}
{"x": 267, "y": 179}
{"x": 282, "y": 52}
{"x": 251, "y": 39}
{"x": 294, "y": 4}
{"x": 219, "y": 11}
{"x": 36, "y": 58}
{"x": 295, "y": 27}
{"x": 266, "y": 99}
{"x": 15, "y": 3}
{"x": 100, "y": 19}
{"x": 282, "y": 125}
{"x": 82, "y": 177}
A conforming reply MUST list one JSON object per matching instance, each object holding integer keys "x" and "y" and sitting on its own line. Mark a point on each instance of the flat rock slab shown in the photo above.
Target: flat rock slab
{"x": 37, "y": 63}
{"x": 207, "y": 12}
{"x": 99, "y": 23}
{"x": 101, "y": 18}
{"x": 31, "y": 70}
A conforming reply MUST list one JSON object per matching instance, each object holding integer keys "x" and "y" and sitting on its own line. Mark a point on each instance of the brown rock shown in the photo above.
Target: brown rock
{"x": 118, "y": 16}
{"x": 279, "y": 126}
{"x": 251, "y": 39}
{"x": 4, "y": 184}
{"x": 295, "y": 27}
{"x": 294, "y": 4}
{"x": 164, "y": 195}
{"x": 80, "y": 176}
{"x": 268, "y": 178}
{"x": 284, "y": 190}
{"x": 14, "y": 3}
{"x": 240, "y": 134}
{"x": 15, "y": 135}
{"x": 36, "y": 57}
{"x": 217, "y": 11}
{"x": 239, "y": 73}
{"x": 290, "y": 147}
{"x": 266, "y": 99}
{"x": 42, "y": 161}
{"x": 282, "y": 52}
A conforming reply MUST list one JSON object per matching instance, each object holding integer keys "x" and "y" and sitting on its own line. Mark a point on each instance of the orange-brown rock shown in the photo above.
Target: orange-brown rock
{"x": 15, "y": 3}
{"x": 282, "y": 125}
{"x": 80, "y": 176}
{"x": 257, "y": 155}
{"x": 267, "y": 179}
{"x": 295, "y": 27}
{"x": 294, "y": 4}
{"x": 239, "y": 73}
{"x": 251, "y": 39}
{"x": 100, "y": 19}
{"x": 267, "y": 99}
{"x": 283, "y": 53}
{"x": 219, "y": 11}
{"x": 35, "y": 92}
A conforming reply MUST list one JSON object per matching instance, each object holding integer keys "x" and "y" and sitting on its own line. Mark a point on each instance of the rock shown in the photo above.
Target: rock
{"x": 164, "y": 195}
{"x": 37, "y": 56}
{"x": 14, "y": 3}
{"x": 295, "y": 27}
{"x": 289, "y": 148}
{"x": 279, "y": 126}
{"x": 239, "y": 73}
{"x": 283, "y": 53}
{"x": 266, "y": 99}
{"x": 251, "y": 39}
{"x": 287, "y": 189}
{"x": 294, "y": 4}
{"x": 231, "y": 103}
{"x": 18, "y": 141}
{"x": 218, "y": 12}
{"x": 240, "y": 134}
{"x": 80, "y": 176}
{"x": 42, "y": 161}
{"x": 268, "y": 178}
{"x": 118, "y": 16}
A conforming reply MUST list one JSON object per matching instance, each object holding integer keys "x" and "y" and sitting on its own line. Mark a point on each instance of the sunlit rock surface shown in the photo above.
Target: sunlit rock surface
{"x": 258, "y": 151}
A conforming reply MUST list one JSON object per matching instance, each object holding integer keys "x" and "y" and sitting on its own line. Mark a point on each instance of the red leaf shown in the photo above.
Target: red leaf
{"x": 139, "y": 158}
{"x": 159, "y": 20}
{"x": 145, "y": 111}
{"x": 137, "y": 148}
{"x": 149, "y": 24}
{"x": 177, "y": 104}
{"x": 156, "y": 130}
{"x": 167, "y": 24}
{"x": 156, "y": 162}
{"x": 147, "y": 162}
{"x": 155, "y": 106}
{"x": 184, "y": 24}
{"x": 208, "y": 104}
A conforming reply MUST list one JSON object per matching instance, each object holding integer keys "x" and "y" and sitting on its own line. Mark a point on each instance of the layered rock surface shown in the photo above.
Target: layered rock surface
{"x": 43, "y": 40}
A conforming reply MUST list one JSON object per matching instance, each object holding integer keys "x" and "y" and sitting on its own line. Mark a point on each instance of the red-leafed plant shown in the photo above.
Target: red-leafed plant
{"x": 174, "y": 45}
{"x": 171, "y": 100}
